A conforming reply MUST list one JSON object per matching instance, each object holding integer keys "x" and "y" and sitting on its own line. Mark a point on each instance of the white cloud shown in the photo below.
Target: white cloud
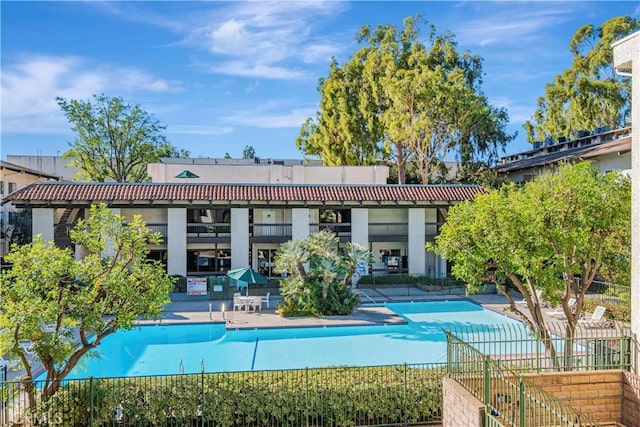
{"x": 512, "y": 25}
{"x": 198, "y": 130}
{"x": 266, "y": 117}
{"x": 265, "y": 71}
{"x": 31, "y": 84}
{"x": 267, "y": 39}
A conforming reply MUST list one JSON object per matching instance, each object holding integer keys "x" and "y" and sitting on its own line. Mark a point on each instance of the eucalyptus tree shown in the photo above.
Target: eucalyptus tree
{"x": 555, "y": 234}
{"x": 589, "y": 94}
{"x": 417, "y": 104}
{"x": 49, "y": 299}
{"x": 114, "y": 141}
{"x": 346, "y": 129}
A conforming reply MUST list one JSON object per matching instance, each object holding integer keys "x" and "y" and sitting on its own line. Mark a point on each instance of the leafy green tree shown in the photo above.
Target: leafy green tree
{"x": 396, "y": 98}
{"x": 346, "y": 130}
{"x": 49, "y": 299}
{"x": 319, "y": 276}
{"x": 589, "y": 94}
{"x": 249, "y": 152}
{"x": 114, "y": 141}
{"x": 555, "y": 234}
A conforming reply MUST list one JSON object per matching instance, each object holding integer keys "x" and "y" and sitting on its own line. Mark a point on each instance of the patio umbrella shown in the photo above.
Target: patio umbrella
{"x": 246, "y": 276}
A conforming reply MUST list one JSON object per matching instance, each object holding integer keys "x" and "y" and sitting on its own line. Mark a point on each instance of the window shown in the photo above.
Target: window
{"x": 12, "y": 187}
{"x": 1, "y": 187}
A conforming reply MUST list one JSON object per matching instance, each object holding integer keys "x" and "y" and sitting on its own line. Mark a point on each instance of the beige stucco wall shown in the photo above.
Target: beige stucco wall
{"x": 269, "y": 174}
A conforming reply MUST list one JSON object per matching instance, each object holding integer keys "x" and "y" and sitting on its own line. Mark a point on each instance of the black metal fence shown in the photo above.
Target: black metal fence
{"x": 342, "y": 396}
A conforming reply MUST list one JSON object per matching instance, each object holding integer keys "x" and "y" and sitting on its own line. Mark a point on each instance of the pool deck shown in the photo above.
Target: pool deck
{"x": 215, "y": 312}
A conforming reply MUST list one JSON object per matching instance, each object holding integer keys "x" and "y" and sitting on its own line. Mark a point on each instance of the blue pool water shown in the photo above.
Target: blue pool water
{"x": 158, "y": 350}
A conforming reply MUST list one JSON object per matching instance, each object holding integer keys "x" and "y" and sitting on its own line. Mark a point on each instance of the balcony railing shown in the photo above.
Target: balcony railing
{"x": 158, "y": 228}
{"x": 270, "y": 230}
{"x": 214, "y": 229}
{"x": 388, "y": 229}
{"x": 339, "y": 229}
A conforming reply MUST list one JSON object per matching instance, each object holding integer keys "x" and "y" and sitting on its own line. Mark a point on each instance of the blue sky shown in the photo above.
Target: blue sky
{"x": 224, "y": 75}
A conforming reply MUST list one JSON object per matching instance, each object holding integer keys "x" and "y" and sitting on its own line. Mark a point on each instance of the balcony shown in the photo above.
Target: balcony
{"x": 388, "y": 231}
{"x": 159, "y": 228}
{"x": 340, "y": 229}
{"x": 209, "y": 230}
{"x": 270, "y": 232}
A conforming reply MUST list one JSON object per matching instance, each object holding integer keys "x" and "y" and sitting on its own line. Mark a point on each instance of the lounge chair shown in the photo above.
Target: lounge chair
{"x": 597, "y": 318}
{"x": 27, "y": 347}
{"x": 266, "y": 299}
{"x": 558, "y": 312}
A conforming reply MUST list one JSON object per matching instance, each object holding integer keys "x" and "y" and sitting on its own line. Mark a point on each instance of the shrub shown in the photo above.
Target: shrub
{"x": 342, "y": 396}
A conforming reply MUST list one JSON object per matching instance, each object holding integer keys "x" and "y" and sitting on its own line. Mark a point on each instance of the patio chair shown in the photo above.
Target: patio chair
{"x": 265, "y": 299}
{"x": 238, "y": 303}
{"x": 597, "y": 318}
{"x": 558, "y": 312}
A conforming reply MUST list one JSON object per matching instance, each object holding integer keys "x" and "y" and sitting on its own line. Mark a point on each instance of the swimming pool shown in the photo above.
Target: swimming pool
{"x": 171, "y": 349}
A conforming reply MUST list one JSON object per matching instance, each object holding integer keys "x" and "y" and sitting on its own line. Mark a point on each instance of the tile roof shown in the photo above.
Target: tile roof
{"x": 621, "y": 145}
{"x": 58, "y": 193}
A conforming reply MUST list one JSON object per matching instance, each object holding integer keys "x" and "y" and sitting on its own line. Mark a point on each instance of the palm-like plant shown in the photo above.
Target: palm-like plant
{"x": 319, "y": 275}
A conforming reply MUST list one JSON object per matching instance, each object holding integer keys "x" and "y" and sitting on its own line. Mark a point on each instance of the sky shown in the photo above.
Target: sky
{"x": 225, "y": 75}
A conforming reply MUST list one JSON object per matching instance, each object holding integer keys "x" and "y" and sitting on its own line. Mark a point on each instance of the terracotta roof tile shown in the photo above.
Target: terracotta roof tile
{"x": 53, "y": 192}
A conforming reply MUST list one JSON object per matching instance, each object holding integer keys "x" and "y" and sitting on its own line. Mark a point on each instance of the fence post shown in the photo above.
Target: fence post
{"x": 405, "y": 394}
{"x": 522, "y": 405}
{"x": 306, "y": 373}
{"x": 91, "y": 401}
{"x": 487, "y": 380}
{"x": 202, "y": 396}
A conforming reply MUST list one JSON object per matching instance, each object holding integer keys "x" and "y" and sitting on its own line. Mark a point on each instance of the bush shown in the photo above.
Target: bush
{"x": 615, "y": 310}
{"x": 344, "y": 396}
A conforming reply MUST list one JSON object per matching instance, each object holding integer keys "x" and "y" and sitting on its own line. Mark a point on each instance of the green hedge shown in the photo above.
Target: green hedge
{"x": 348, "y": 396}
{"x": 405, "y": 279}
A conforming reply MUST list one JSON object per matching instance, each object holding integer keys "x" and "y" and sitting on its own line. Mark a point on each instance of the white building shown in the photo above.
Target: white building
{"x": 626, "y": 61}
{"x": 211, "y": 228}
{"x": 607, "y": 150}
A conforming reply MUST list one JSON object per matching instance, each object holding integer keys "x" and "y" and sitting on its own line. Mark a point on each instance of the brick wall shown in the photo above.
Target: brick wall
{"x": 595, "y": 393}
{"x": 460, "y": 407}
{"x": 631, "y": 400}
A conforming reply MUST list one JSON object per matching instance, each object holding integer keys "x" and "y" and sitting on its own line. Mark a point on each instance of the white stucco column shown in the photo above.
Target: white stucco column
{"x": 626, "y": 57}
{"x": 239, "y": 237}
{"x": 177, "y": 241}
{"x": 299, "y": 223}
{"x": 416, "y": 251}
{"x": 360, "y": 226}
{"x": 42, "y": 221}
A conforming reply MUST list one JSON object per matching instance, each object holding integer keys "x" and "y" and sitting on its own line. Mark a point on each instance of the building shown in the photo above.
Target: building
{"x": 14, "y": 177}
{"x": 52, "y": 165}
{"x": 211, "y": 228}
{"x": 262, "y": 171}
{"x": 626, "y": 61}
{"x": 607, "y": 150}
